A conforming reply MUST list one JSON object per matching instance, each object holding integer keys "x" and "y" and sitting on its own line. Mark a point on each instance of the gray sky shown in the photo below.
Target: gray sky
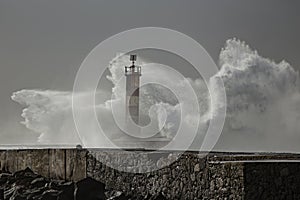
{"x": 43, "y": 42}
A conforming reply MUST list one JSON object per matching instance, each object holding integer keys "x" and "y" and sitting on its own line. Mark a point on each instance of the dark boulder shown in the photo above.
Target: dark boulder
{"x": 1, "y": 194}
{"x": 49, "y": 195}
{"x": 26, "y": 185}
{"x": 38, "y": 182}
{"x": 24, "y": 173}
{"x": 90, "y": 189}
{"x": 67, "y": 191}
{"x": 4, "y": 177}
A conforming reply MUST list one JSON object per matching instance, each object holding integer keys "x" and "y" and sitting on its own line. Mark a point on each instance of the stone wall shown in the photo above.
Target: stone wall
{"x": 226, "y": 180}
{"x": 192, "y": 176}
{"x": 184, "y": 179}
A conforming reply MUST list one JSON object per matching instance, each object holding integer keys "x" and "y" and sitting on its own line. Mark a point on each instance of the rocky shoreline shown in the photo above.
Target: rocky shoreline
{"x": 27, "y": 185}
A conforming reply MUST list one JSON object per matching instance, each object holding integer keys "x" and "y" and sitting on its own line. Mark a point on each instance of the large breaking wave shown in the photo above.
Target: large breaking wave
{"x": 263, "y": 100}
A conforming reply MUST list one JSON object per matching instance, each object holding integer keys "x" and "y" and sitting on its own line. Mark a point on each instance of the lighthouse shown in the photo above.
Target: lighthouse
{"x": 132, "y": 74}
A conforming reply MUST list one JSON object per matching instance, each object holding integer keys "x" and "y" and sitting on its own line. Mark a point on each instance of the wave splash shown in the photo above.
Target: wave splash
{"x": 263, "y": 103}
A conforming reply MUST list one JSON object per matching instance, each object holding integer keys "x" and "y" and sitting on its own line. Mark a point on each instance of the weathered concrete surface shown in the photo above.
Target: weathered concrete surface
{"x": 57, "y": 161}
{"x": 62, "y": 164}
{"x": 11, "y": 163}
{"x": 75, "y": 164}
{"x": 36, "y": 160}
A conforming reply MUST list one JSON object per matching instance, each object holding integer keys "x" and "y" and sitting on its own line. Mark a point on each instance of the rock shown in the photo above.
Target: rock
{"x": 157, "y": 197}
{"x": 197, "y": 168}
{"x": 24, "y": 173}
{"x": 90, "y": 189}
{"x": 4, "y": 177}
{"x": 1, "y": 194}
{"x": 25, "y": 184}
{"x": 50, "y": 195}
{"x": 219, "y": 182}
{"x": 38, "y": 182}
{"x": 212, "y": 185}
{"x": 63, "y": 185}
{"x": 67, "y": 193}
{"x": 193, "y": 177}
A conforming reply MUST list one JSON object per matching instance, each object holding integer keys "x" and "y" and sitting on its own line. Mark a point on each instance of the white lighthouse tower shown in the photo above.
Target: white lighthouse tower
{"x": 132, "y": 74}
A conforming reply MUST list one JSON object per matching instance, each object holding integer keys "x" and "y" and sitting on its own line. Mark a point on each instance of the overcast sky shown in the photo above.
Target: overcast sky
{"x": 43, "y": 42}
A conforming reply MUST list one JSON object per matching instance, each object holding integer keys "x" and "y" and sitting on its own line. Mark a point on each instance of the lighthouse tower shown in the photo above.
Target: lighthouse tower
{"x": 132, "y": 74}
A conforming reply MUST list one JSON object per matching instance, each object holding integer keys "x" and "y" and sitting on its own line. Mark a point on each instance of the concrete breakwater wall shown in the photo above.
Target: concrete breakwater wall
{"x": 65, "y": 164}
{"x": 192, "y": 176}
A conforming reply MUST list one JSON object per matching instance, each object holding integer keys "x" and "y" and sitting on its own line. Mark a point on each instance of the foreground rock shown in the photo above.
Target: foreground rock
{"x": 26, "y": 185}
{"x": 90, "y": 189}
